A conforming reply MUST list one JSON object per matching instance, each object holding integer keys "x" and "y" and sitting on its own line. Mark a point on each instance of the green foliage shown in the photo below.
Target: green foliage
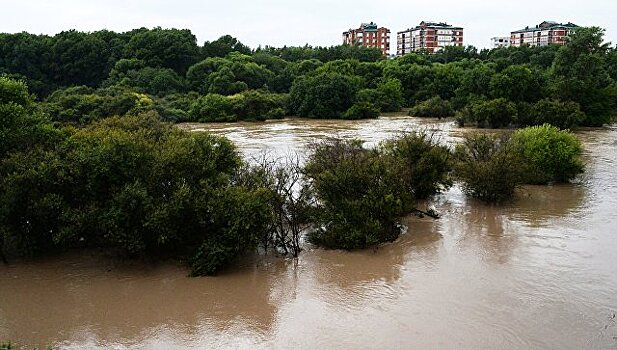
{"x": 549, "y": 154}
{"x": 224, "y": 46}
{"x": 241, "y": 216}
{"x": 21, "y": 125}
{"x": 83, "y": 105}
{"x": 176, "y": 107}
{"x": 324, "y": 82}
{"x": 476, "y": 80}
{"x": 14, "y": 92}
{"x": 425, "y": 165}
{"x": 495, "y": 113}
{"x": 359, "y": 197}
{"x": 435, "y": 107}
{"x": 361, "y": 110}
{"x": 517, "y": 83}
{"x": 137, "y": 185}
{"x": 153, "y": 81}
{"x": 212, "y": 108}
{"x": 558, "y": 113}
{"x": 413, "y": 77}
{"x": 326, "y": 95}
{"x": 154, "y": 61}
{"x": 580, "y": 74}
{"x": 249, "y": 105}
{"x": 488, "y": 166}
{"x": 327, "y": 54}
{"x": 167, "y": 48}
{"x": 224, "y": 82}
{"x": 387, "y": 97}
{"x": 198, "y": 74}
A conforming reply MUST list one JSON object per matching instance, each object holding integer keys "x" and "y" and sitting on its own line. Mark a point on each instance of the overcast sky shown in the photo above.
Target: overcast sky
{"x": 288, "y": 22}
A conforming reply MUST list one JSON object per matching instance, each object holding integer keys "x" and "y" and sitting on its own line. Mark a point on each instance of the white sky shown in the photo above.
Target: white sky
{"x": 288, "y": 22}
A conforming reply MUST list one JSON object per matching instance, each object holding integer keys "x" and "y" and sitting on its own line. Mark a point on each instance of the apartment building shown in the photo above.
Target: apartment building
{"x": 428, "y": 36}
{"x": 500, "y": 41}
{"x": 369, "y": 35}
{"x": 543, "y": 34}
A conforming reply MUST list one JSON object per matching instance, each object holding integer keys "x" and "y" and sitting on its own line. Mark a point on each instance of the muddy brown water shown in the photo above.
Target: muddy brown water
{"x": 537, "y": 273}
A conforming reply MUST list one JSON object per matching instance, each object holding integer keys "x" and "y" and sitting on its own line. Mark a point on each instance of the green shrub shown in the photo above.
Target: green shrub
{"x": 327, "y": 95}
{"x": 135, "y": 185}
{"x": 81, "y": 105}
{"x": 361, "y": 110}
{"x": 563, "y": 115}
{"x": 212, "y": 108}
{"x": 248, "y": 105}
{"x": 424, "y": 163}
{"x": 153, "y": 81}
{"x": 549, "y": 154}
{"x": 256, "y": 105}
{"x": 22, "y": 125}
{"x": 241, "y": 216}
{"x": 276, "y": 113}
{"x": 497, "y": 113}
{"x": 387, "y": 97}
{"x": 435, "y": 107}
{"x": 488, "y": 167}
{"x": 176, "y": 107}
{"x": 359, "y": 197}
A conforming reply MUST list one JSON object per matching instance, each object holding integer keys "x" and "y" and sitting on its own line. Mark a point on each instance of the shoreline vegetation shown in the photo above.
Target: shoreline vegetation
{"x": 82, "y": 77}
{"x": 92, "y": 159}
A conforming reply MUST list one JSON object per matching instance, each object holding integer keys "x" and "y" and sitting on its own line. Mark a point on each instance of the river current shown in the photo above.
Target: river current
{"x": 536, "y": 273}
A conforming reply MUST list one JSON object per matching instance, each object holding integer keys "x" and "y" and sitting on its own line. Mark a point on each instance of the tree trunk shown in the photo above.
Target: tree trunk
{"x": 434, "y": 215}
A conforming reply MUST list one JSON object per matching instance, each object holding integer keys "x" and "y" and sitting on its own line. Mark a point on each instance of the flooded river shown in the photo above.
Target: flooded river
{"x": 538, "y": 273}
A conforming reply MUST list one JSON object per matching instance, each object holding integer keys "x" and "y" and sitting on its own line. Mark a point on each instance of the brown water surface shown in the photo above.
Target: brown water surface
{"x": 540, "y": 272}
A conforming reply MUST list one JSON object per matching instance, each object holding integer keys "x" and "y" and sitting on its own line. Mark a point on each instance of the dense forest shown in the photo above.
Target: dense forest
{"x": 91, "y": 160}
{"x": 81, "y": 77}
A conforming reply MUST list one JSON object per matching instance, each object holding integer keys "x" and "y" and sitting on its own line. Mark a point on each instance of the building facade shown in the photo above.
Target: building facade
{"x": 543, "y": 34}
{"x": 428, "y": 36}
{"x": 369, "y": 35}
{"x": 500, "y": 41}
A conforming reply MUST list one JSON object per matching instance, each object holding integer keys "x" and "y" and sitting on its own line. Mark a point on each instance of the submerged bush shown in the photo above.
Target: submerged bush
{"x": 135, "y": 185}
{"x": 488, "y": 167}
{"x": 549, "y": 154}
{"x": 249, "y": 105}
{"x": 558, "y": 113}
{"x": 361, "y": 110}
{"x": 360, "y": 199}
{"x": 424, "y": 164}
{"x": 435, "y": 107}
{"x": 497, "y": 113}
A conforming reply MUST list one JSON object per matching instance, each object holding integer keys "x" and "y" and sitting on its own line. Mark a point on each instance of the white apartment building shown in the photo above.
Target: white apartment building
{"x": 500, "y": 41}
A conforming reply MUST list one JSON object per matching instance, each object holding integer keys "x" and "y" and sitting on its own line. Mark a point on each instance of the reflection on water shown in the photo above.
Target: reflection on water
{"x": 535, "y": 273}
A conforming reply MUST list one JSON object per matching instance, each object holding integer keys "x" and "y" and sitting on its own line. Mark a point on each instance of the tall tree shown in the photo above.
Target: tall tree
{"x": 579, "y": 74}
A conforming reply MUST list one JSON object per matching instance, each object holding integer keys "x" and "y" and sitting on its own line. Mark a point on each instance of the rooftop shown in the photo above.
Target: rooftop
{"x": 547, "y": 25}
{"x": 429, "y": 24}
{"x": 369, "y": 26}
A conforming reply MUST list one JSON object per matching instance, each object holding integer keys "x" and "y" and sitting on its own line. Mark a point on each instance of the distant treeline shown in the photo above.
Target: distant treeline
{"x": 82, "y": 77}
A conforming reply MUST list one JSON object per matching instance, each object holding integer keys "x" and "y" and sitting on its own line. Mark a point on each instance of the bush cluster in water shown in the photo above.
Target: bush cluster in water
{"x": 145, "y": 188}
{"x": 490, "y": 167}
